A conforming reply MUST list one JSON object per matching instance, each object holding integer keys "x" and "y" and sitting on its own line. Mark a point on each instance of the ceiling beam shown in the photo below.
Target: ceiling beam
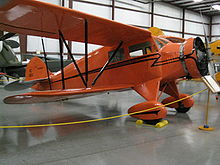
{"x": 201, "y": 3}
{"x": 203, "y": 8}
{"x": 185, "y": 2}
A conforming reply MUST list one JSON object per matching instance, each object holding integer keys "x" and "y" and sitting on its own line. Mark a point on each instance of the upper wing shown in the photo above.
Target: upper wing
{"x": 37, "y": 18}
{"x": 58, "y": 95}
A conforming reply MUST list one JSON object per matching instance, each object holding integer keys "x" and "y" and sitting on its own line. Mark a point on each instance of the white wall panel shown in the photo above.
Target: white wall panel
{"x": 193, "y": 36}
{"x": 79, "y": 48}
{"x": 133, "y": 5}
{"x": 167, "y": 23}
{"x": 172, "y": 34}
{"x": 215, "y": 29}
{"x": 97, "y": 10}
{"x": 106, "y": 2}
{"x": 196, "y": 28}
{"x": 166, "y": 9}
{"x": 216, "y": 19}
{"x": 34, "y": 44}
{"x": 190, "y": 15}
{"x": 131, "y": 17}
{"x": 56, "y": 2}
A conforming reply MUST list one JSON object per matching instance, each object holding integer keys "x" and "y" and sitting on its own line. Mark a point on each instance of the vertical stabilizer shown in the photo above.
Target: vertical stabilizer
{"x": 36, "y": 69}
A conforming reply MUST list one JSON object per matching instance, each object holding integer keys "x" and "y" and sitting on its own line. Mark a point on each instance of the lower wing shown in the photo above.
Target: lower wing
{"x": 59, "y": 95}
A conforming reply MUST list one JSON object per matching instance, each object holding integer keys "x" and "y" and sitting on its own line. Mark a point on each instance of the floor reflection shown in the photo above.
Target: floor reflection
{"x": 27, "y": 137}
{"x": 119, "y": 137}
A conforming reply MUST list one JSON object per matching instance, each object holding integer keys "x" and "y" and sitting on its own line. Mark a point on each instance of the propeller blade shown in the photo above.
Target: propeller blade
{"x": 12, "y": 43}
{"x": 6, "y": 36}
{"x": 211, "y": 66}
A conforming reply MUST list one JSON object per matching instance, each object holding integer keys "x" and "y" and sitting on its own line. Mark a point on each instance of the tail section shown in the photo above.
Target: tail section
{"x": 36, "y": 69}
{"x": 36, "y": 72}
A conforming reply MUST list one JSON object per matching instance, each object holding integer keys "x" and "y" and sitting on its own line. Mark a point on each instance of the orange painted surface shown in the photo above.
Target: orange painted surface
{"x": 149, "y": 115}
{"x": 144, "y": 63}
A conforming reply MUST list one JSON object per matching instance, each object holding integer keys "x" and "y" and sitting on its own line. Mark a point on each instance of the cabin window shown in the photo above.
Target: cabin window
{"x": 164, "y": 41}
{"x": 119, "y": 55}
{"x": 140, "y": 49}
{"x": 159, "y": 44}
{"x": 136, "y": 53}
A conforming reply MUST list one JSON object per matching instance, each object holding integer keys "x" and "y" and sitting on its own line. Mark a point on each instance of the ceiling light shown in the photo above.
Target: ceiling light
{"x": 197, "y": 0}
{"x": 216, "y": 7}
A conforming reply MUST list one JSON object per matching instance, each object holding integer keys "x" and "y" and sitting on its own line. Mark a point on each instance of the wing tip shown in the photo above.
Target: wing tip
{"x": 17, "y": 99}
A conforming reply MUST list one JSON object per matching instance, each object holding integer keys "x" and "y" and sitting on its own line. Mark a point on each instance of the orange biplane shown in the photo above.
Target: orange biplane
{"x": 131, "y": 58}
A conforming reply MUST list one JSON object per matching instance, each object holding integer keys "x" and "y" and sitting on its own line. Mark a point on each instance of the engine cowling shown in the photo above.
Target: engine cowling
{"x": 196, "y": 57}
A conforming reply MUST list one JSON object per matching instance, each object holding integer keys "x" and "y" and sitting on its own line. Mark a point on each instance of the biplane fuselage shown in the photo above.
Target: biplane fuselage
{"x": 162, "y": 64}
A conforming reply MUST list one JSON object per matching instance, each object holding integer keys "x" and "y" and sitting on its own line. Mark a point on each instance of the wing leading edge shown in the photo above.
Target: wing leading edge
{"x": 37, "y": 18}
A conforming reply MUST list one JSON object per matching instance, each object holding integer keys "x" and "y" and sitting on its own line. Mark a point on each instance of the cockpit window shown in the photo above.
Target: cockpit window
{"x": 140, "y": 49}
{"x": 159, "y": 44}
{"x": 119, "y": 55}
{"x": 175, "y": 39}
{"x": 163, "y": 40}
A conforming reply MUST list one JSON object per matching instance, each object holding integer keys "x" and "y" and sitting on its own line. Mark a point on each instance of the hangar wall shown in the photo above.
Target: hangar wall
{"x": 171, "y": 19}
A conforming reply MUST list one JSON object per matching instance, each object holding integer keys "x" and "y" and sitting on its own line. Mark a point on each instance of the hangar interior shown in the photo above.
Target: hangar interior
{"x": 120, "y": 140}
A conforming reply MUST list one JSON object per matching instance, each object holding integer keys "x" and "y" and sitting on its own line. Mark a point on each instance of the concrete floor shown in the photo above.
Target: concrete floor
{"x": 112, "y": 142}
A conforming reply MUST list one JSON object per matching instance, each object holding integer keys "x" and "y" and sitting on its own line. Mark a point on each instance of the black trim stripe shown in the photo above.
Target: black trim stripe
{"x": 132, "y": 61}
{"x": 24, "y": 28}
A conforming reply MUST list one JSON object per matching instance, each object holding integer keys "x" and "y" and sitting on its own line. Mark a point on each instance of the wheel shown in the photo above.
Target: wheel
{"x": 182, "y": 106}
{"x": 182, "y": 109}
{"x": 152, "y": 122}
{"x": 150, "y": 111}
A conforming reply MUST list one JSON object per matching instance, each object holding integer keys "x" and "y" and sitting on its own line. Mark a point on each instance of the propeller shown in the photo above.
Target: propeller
{"x": 211, "y": 65}
{"x": 11, "y": 43}
{"x": 7, "y": 36}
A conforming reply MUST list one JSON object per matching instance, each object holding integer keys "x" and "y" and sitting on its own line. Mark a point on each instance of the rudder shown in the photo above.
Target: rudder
{"x": 36, "y": 69}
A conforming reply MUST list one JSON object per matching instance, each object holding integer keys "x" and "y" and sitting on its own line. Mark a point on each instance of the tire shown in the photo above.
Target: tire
{"x": 182, "y": 109}
{"x": 152, "y": 122}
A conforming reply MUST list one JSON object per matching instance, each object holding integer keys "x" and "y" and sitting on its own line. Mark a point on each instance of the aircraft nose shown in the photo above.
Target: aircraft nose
{"x": 202, "y": 56}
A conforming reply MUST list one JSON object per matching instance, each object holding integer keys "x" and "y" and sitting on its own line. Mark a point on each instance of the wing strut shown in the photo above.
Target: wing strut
{"x": 71, "y": 55}
{"x": 107, "y": 63}
{"x": 61, "y": 61}
{"x": 86, "y": 51}
{"x": 45, "y": 58}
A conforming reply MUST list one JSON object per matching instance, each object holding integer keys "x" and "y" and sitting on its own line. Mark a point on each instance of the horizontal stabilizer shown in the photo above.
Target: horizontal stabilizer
{"x": 59, "y": 95}
{"x": 20, "y": 84}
